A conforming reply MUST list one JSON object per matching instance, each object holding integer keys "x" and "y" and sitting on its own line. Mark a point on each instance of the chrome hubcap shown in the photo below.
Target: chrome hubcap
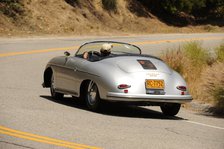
{"x": 92, "y": 92}
{"x": 52, "y": 85}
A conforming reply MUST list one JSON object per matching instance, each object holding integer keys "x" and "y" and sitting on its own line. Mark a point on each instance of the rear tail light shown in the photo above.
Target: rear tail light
{"x": 123, "y": 86}
{"x": 182, "y": 88}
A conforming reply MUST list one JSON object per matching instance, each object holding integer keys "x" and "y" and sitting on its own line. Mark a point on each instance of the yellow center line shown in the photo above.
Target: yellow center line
{"x": 36, "y": 51}
{"x": 42, "y": 139}
{"x": 137, "y": 43}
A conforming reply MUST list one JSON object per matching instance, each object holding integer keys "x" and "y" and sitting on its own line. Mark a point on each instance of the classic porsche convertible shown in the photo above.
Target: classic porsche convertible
{"x": 124, "y": 75}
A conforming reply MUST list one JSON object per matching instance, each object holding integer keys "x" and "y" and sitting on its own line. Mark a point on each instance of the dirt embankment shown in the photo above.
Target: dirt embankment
{"x": 82, "y": 17}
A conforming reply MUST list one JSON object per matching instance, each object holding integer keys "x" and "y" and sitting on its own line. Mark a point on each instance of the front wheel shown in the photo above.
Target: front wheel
{"x": 170, "y": 109}
{"x": 92, "y": 97}
{"x": 55, "y": 94}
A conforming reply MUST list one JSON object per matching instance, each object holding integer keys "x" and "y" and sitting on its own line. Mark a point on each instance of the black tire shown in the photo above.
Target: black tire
{"x": 92, "y": 97}
{"x": 55, "y": 95}
{"x": 170, "y": 109}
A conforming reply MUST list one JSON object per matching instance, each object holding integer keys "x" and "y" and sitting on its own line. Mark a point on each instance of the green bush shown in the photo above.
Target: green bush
{"x": 191, "y": 10}
{"x": 110, "y": 5}
{"x": 11, "y": 8}
{"x": 196, "y": 54}
{"x": 73, "y": 3}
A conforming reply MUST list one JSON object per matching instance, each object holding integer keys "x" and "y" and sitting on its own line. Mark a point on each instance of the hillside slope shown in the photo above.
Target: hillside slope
{"x": 80, "y": 17}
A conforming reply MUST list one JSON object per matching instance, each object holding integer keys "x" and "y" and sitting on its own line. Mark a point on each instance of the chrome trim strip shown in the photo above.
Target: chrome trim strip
{"x": 87, "y": 73}
{"x": 74, "y": 69}
{"x": 53, "y": 64}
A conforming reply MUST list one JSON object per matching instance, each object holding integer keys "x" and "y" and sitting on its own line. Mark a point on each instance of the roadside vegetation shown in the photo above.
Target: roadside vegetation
{"x": 73, "y": 3}
{"x": 203, "y": 71}
{"x": 187, "y": 11}
{"x": 109, "y": 17}
{"x": 12, "y": 8}
{"x": 110, "y": 5}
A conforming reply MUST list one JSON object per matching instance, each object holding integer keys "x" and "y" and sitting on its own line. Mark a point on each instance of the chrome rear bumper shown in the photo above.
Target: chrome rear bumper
{"x": 149, "y": 98}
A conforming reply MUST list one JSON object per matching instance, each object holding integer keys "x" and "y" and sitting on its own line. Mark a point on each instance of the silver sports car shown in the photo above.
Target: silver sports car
{"x": 118, "y": 72}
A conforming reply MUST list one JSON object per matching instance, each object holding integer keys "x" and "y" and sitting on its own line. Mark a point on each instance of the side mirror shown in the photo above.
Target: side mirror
{"x": 66, "y": 53}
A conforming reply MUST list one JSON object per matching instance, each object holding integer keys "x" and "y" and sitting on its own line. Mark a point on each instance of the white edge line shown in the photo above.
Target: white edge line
{"x": 205, "y": 125}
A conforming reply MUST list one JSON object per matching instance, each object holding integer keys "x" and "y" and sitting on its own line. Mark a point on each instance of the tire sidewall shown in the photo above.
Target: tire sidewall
{"x": 54, "y": 94}
{"x": 170, "y": 109}
{"x": 92, "y": 106}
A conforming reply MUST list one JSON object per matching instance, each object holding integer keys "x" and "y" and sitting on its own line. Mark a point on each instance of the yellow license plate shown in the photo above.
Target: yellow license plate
{"x": 154, "y": 84}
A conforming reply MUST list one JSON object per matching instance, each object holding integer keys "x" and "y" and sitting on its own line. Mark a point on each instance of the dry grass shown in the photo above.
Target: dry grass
{"x": 204, "y": 74}
{"x": 212, "y": 85}
{"x": 174, "y": 59}
{"x": 220, "y": 53}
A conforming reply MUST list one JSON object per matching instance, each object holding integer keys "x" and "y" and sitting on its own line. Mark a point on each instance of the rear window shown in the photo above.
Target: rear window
{"x": 146, "y": 64}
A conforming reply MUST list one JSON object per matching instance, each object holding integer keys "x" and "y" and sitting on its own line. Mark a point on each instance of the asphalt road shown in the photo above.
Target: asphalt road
{"x": 30, "y": 118}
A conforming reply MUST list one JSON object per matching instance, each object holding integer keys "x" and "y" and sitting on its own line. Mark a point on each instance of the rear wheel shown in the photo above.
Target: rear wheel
{"x": 92, "y": 97}
{"x": 55, "y": 94}
{"x": 170, "y": 109}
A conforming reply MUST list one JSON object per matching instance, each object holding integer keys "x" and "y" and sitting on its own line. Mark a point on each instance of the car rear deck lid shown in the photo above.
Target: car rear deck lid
{"x": 131, "y": 64}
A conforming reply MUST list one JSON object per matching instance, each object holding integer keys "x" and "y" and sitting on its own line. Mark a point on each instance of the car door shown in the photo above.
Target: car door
{"x": 70, "y": 78}
{"x": 58, "y": 71}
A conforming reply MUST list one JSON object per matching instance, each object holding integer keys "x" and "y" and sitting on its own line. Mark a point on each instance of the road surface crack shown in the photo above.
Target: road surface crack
{"x": 170, "y": 130}
{"x": 16, "y": 144}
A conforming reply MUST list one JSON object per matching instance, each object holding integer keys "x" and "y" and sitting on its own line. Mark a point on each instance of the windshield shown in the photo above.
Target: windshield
{"x": 118, "y": 48}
